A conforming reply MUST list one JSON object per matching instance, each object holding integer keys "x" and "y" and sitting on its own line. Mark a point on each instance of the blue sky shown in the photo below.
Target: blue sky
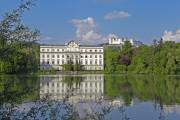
{"x": 62, "y": 20}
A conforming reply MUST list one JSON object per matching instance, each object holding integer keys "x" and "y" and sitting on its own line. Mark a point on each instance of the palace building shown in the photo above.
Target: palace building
{"x": 55, "y": 56}
{"x": 90, "y": 87}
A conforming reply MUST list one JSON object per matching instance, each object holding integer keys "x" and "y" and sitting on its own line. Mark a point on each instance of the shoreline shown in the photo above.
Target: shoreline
{"x": 54, "y": 72}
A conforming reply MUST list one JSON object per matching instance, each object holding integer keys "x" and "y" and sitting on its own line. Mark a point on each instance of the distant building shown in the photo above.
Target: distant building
{"x": 55, "y": 56}
{"x": 119, "y": 41}
{"x": 115, "y": 41}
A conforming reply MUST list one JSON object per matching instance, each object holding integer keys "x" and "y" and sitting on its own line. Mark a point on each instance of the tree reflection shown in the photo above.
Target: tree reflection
{"x": 84, "y": 97}
{"x": 161, "y": 89}
{"x": 17, "y": 89}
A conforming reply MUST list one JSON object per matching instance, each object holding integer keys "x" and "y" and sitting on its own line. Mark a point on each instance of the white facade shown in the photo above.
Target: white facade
{"x": 55, "y": 56}
{"x": 119, "y": 41}
{"x": 91, "y": 87}
{"x": 116, "y": 41}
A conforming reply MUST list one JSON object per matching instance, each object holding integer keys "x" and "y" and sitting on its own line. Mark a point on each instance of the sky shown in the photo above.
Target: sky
{"x": 93, "y": 21}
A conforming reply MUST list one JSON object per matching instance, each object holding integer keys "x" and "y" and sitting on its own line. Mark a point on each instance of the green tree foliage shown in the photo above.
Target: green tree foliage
{"x": 70, "y": 66}
{"x": 19, "y": 51}
{"x": 111, "y": 59}
{"x": 159, "y": 58}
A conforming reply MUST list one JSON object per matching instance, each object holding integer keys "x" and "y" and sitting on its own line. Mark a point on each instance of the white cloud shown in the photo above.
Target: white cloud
{"x": 86, "y": 29}
{"x": 117, "y": 15}
{"x": 169, "y": 36}
{"x": 91, "y": 35}
{"x": 86, "y": 32}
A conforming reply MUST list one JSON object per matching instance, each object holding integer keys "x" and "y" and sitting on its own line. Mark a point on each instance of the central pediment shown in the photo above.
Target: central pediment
{"x": 72, "y": 44}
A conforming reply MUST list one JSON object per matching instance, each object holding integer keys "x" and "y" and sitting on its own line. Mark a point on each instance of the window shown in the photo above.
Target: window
{"x": 48, "y": 50}
{"x": 90, "y": 62}
{"x": 86, "y": 56}
{"x": 90, "y": 56}
{"x": 86, "y": 62}
{"x": 62, "y": 61}
{"x": 53, "y": 56}
{"x": 42, "y": 91}
{"x": 43, "y": 50}
{"x": 53, "y": 62}
{"x": 95, "y": 61}
{"x": 62, "y": 56}
{"x": 100, "y": 62}
{"x": 95, "y": 56}
{"x": 81, "y": 56}
{"x": 58, "y": 62}
{"x": 58, "y": 50}
{"x": 48, "y": 62}
{"x": 100, "y": 56}
{"x": 57, "y": 56}
{"x": 43, "y": 62}
{"x": 43, "y": 56}
{"x": 47, "y": 56}
{"x": 53, "y": 50}
{"x": 95, "y": 50}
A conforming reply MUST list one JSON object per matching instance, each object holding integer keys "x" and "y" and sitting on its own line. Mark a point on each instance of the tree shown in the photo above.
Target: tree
{"x": 159, "y": 58}
{"x": 171, "y": 66}
{"x": 12, "y": 29}
{"x": 18, "y": 48}
{"x": 111, "y": 59}
{"x": 127, "y": 48}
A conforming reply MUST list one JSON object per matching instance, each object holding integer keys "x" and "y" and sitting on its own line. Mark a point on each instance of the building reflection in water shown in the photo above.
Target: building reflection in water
{"x": 73, "y": 89}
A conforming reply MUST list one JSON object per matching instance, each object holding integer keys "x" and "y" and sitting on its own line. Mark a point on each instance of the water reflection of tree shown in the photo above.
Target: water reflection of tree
{"x": 16, "y": 89}
{"x": 161, "y": 89}
{"x": 116, "y": 86}
{"x": 51, "y": 109}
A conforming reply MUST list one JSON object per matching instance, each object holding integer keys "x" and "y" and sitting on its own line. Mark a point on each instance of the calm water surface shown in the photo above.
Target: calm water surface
{"x": 89, "y": 97}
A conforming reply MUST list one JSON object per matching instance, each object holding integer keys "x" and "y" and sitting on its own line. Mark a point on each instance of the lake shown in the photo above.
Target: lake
{"x": 89, "y": 97}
